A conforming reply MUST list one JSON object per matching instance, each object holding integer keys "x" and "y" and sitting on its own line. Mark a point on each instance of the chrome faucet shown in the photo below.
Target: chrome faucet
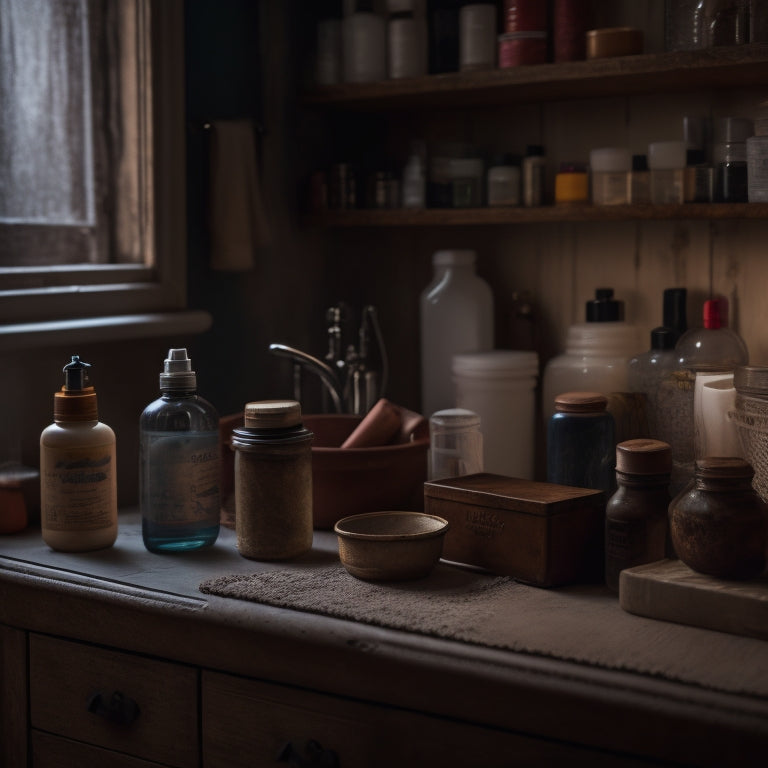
{"x": 348, "y": 380}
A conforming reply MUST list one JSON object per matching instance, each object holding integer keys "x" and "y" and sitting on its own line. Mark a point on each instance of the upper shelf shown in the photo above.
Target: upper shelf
{"x": 738, "y": 66}
{"x": 442, "y": 217}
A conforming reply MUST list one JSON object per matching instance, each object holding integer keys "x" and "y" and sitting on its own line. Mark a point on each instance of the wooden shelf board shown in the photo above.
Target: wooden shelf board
{"x": 542, "y": 215}
{"x": 720, "y": 67}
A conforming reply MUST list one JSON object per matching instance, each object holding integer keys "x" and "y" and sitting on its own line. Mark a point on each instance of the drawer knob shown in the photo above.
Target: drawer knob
{"x": 117, "y": 708}
{"x": 313, "y": 755}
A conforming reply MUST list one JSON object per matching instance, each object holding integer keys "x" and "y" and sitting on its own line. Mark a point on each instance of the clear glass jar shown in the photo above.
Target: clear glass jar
{"x": 455, "y": 444}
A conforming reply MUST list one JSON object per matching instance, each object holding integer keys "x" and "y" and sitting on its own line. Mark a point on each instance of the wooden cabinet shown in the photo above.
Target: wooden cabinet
{"x": 124, "y": 703}
{"x": 250, "y": 723}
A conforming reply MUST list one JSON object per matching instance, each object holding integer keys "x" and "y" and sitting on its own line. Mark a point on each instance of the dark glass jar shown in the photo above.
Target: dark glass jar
{"x": 636, "y": 515}
{"x": 273, "y": 481}
{"x": 581, "y": 442}
{"x": 718, "y": 524}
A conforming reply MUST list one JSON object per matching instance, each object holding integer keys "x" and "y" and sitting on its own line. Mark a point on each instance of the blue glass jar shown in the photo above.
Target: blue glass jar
{"x": 581, "y": 443}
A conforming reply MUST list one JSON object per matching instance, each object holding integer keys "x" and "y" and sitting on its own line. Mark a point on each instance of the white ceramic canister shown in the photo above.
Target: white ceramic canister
{"x": 499, "y": 386}
{"x": 596, "y": 359}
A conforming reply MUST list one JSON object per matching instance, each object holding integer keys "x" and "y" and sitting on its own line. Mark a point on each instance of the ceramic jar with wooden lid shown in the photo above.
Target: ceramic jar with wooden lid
{"x": 636, "y": 515}
{"x": 273, "y": 481}
{"x": 718, "y": 524}
{"x": 581, "y": 442}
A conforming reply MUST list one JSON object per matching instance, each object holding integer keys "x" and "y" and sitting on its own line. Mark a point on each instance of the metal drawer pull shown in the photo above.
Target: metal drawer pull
{"x": 118, "y": 708}
{"x": 311, "y": 756}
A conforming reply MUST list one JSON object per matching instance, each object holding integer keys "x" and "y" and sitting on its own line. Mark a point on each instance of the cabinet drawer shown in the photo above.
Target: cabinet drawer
{"x": 248, "y": 723}
{"x": 56, "y": 752}
{"x": 66, "y": 676}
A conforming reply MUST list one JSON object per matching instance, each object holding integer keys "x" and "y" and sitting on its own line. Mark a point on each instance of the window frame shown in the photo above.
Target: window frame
{"x": 47, "y": 294}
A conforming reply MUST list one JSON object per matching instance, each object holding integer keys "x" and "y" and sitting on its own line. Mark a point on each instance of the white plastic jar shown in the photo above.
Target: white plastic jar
{"x": 596, "y": 359}
{"x": 610, "y": 169}
{"x": 499, "y": 386}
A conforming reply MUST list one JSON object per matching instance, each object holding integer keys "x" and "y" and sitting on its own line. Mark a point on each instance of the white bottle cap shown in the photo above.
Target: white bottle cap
{"x": 453, "y": 258}
{"x": 610, "y": 160}
{"x": 666, "y": 155}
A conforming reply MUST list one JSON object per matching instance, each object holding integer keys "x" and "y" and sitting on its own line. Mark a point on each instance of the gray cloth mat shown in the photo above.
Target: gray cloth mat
{"x": 578, "y": 623}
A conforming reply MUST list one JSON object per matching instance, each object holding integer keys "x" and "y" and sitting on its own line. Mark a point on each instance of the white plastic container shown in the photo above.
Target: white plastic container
{"x": 364, "y": 45}
{"x": 456, "y": 315}
{"x": 499, "y": 386}
{"x": 477, "y": 36}
{"x": 610, "y": 169}
{"x": 667, "y": 160}
{"x": 757, "y": 169}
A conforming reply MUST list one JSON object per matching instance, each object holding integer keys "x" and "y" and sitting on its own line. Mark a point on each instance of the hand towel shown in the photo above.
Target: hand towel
{"x": 238, "y": 222}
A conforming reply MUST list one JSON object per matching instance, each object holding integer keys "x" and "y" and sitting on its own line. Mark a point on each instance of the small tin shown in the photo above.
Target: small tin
{"x": 539, "y": 533}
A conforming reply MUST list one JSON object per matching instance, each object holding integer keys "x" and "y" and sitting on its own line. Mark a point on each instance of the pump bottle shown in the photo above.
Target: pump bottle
{"x": 78, "y": 482}
{"x": 179, "y": 463}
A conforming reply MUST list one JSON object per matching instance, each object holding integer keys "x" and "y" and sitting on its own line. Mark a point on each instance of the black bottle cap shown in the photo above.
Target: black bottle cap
{"x": 639, "y": 163}
{"x": 675, "y": 317}
{"x": 534, "y": 150}
{"x": 663, "y": 338}
{"x": 604, "y": 308}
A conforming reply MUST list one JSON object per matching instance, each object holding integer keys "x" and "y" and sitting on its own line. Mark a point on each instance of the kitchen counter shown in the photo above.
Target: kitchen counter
{"x": 435, "y": 701}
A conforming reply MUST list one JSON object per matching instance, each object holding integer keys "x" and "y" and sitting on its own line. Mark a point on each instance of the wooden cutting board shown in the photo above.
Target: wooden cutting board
{"x": 671, "y": 591}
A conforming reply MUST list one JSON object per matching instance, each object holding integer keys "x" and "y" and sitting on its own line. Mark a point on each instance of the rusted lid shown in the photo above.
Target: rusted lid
{"x": 644, "y": 456}
{"x": 581, "y": 402}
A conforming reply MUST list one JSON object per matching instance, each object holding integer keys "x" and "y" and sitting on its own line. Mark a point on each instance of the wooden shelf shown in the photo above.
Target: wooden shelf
{"x": 441, "y": 217}
{"x": 724, "y": 67}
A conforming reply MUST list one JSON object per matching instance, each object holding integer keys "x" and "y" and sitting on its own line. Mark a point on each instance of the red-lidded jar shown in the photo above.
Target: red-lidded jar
{"x": 525, "y": 16}
{"x": 570, "y": 22}
{"x": 522, "y": 48}
{"x": 718, "y": 524}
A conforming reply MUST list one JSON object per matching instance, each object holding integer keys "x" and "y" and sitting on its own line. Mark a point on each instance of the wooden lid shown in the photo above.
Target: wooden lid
{"x": 272, "y": 414}
{"x": 511, "y": 494}
{"x": 644, "y": 456}
{"x": 581, "y": 402}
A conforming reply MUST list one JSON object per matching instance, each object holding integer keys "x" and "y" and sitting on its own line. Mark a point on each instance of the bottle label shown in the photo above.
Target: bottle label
{"x": 79, "y": 491}
{"x": 180, "y": 478}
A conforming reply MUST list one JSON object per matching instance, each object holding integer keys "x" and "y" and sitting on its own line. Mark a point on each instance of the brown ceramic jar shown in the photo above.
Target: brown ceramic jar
{"x": 273, "y": 481}
{"x": 636, "y": 515}
{"x": 718, "y": 524}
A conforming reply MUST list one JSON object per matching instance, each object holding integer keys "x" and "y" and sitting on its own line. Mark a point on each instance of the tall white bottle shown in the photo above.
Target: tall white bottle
{"x": 456, "y": 315}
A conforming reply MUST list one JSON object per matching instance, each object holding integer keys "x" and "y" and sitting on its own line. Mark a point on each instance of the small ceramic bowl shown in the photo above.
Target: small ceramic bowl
{"x": 390, "y": 546}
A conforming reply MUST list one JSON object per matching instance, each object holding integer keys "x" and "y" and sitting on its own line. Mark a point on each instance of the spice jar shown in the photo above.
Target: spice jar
{"x": 718, "y": 524}
{"x": 273, "y": 481}
{"x": 636, "y": 515}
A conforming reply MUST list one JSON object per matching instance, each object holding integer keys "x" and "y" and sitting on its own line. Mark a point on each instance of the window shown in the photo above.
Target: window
{"x": 92, "y": 183}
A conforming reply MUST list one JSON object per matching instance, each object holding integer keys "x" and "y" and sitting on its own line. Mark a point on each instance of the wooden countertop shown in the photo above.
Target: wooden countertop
{"x": 128, "y": 598}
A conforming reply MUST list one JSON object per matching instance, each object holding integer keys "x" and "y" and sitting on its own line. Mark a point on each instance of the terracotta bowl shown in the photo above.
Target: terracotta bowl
{"x": 348, "y": 481}
{"x": 390, "y": 545}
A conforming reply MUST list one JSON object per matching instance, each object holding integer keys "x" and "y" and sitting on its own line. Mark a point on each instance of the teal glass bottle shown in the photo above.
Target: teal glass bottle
{"x": 179, "y": 463}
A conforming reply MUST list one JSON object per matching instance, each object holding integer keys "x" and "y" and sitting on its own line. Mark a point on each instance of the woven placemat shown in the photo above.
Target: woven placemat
{"x": 580, "y": 623}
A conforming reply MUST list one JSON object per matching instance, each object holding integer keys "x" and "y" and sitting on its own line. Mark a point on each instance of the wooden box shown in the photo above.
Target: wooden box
{"x": 539, "y": 533}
